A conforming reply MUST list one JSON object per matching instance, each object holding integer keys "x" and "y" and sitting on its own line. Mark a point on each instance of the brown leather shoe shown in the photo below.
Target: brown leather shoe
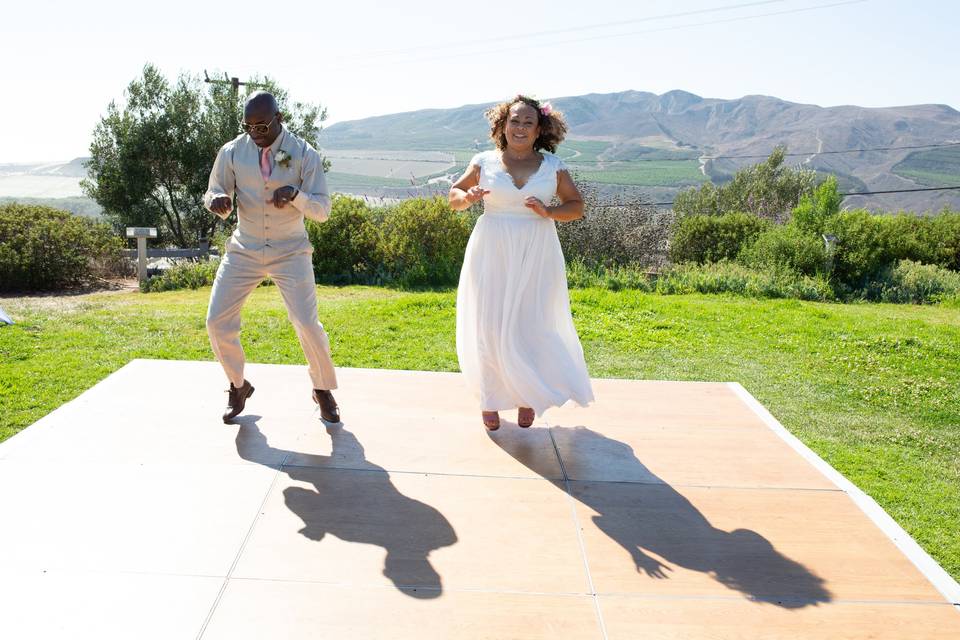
{"x": 236, "y": 400}
{"x": 329, "y": 410}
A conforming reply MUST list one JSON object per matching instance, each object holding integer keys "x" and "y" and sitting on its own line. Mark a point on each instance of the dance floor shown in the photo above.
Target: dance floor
{"x": 666, "y": 510}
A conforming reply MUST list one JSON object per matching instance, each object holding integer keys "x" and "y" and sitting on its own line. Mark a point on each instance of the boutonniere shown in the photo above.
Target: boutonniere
{"x": 283, "y": 159}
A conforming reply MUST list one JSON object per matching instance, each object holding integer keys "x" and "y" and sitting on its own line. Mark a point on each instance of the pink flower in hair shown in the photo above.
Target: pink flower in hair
{"x": 546, "y": 108}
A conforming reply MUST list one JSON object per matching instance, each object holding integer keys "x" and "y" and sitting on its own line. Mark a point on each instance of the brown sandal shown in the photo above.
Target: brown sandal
{"x": 491, "y": 420}
{"x": 525, "y": 416}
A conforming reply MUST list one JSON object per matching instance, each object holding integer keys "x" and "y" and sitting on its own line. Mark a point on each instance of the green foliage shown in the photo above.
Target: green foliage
{"x": 613, "y": 233}
{"x": 769, "y": 190}
{"x": 43, "y": 248}
{"x": 186, "y": 275}
{"x": 918, "y": 283}
{"x": 345, "y": 245}
{"x": 422, "y": 242}
{"x": 80, "y": 206}
{"x": 869, "y": 244}
{"x": 946, "y": 229}
{"x": 730, "y": 277}
{"x": 786, "y": 247}
{"x": 861, "y": 251}
{"x": 811, "y": 214}
{"x": 582, "y": 275}
{"x": 151, "y": 158}
{"x": 700, "y": 238}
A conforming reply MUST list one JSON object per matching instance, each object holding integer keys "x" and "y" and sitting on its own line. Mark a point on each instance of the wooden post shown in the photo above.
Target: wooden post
{"x": 141, "y": 234}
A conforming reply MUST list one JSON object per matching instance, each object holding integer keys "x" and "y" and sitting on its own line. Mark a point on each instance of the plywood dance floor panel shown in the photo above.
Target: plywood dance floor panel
{"x": 667, "y": 510}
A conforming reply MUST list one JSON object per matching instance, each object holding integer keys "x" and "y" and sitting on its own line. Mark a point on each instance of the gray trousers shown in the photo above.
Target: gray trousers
{"x": 239, "y": 274}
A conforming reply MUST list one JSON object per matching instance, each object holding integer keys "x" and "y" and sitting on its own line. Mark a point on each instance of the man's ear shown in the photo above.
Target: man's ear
{"x": 279, "y": 117}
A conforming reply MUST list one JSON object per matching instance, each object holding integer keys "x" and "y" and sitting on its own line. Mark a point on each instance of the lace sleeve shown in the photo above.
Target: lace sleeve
{"x": 477, "y": 160}
{"x": 560, "y": 164}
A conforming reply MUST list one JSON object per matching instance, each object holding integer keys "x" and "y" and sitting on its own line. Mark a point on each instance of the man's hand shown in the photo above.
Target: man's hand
{"x": 283, "y": 196}
{"x": 222, "y": 206}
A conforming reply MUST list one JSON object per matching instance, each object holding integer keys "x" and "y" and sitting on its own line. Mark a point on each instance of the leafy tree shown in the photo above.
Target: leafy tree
{"x": 815, "y": 209}
{"x": 769, "y": 190}
{"x": 151, "y": 158}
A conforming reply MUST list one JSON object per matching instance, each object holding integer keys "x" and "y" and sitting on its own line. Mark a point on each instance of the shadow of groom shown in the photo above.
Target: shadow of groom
{"x": 359, "y": 505}
{"x": 654, "y": 518}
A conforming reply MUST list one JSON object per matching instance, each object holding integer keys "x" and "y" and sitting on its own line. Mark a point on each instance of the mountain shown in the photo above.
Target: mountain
{"x": 617, "y": 133}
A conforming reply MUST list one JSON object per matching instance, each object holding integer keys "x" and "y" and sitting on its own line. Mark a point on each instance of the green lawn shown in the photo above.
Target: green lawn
{"x": 872, "y": 388}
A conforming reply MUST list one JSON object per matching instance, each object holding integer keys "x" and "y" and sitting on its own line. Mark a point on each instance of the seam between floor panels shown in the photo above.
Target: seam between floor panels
{"x": 583, "y": 548}
{"x": 921, "y": 560}
{"x": 243, "y": 545}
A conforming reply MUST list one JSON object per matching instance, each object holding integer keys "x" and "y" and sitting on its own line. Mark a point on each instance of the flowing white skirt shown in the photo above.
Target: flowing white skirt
{"x": 516, "y": 341}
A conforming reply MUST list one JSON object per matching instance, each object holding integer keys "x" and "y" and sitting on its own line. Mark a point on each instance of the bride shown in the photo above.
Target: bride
{"x": 516, "y": 342}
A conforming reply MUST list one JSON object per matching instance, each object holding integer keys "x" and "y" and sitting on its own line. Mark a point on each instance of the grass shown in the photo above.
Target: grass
{"x": 870, "y": 387}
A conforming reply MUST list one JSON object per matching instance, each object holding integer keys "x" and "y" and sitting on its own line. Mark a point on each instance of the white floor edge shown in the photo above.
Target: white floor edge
{"x": 929, "y": 567}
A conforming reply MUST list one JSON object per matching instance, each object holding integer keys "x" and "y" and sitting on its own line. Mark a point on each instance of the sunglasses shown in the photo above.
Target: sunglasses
{"x": 257, "y": 128}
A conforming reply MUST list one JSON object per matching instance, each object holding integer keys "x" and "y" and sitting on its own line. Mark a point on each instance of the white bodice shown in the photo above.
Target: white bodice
{"x": 504, "y": 197}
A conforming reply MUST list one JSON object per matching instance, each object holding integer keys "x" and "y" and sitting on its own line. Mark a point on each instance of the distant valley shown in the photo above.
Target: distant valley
{"x": 631, "y": 144}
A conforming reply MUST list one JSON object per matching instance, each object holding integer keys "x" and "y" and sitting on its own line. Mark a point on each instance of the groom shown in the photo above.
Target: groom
{"x": 277, "y": 179}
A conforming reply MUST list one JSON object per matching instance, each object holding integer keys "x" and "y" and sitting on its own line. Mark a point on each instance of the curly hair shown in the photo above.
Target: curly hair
{"x": 552, "y": 126}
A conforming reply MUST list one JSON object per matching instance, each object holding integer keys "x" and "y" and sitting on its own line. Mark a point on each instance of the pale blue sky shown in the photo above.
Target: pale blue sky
{"x": 68, "y": 59}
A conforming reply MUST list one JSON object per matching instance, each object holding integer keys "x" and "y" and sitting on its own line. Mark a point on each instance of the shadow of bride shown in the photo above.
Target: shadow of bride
{"x": 659, "y": 520}
{"x": 359, "y": 505}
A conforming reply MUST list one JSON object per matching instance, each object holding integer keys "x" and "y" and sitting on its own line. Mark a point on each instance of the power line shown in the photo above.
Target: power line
{"x": 538, "y": 34}
{"x": 723, "y": 157}
{"x": 824, "y": 153}
{"x": 600, "y": 37}
{"x": 874, "y": 193}
{"x": 844, "y": 195}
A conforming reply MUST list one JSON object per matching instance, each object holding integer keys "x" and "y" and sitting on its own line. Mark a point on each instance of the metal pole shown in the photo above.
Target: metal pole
{"x": 142, "y": 259}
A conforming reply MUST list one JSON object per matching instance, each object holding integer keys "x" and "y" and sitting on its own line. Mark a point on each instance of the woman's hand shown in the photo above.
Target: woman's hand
{"x": 536, "y": 204}
{"x": 475, "y": 194}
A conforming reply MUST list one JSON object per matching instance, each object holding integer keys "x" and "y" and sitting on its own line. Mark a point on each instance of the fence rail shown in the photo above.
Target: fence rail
{"x": 173, "y": 253}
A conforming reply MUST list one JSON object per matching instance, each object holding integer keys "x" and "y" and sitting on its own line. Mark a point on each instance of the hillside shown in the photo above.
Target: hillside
{"x": 648, "y": 140}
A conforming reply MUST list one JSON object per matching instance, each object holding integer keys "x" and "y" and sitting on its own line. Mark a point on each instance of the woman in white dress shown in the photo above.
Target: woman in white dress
{"x": 516, "y": 341}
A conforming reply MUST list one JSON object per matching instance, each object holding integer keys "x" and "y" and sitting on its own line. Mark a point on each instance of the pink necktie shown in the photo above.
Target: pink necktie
{"x": 265, "y": 163}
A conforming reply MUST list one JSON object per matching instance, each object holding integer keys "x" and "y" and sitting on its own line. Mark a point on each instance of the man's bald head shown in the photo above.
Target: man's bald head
{"x": 260, "y": 108}
{"x": 261, "y": 101}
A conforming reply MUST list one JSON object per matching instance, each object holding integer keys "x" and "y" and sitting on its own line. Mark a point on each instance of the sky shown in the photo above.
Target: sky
{"x": 64, "y": 62}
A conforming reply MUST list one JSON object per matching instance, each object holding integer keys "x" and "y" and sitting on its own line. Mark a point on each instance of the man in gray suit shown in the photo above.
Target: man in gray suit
{"x": 277, "y": 180}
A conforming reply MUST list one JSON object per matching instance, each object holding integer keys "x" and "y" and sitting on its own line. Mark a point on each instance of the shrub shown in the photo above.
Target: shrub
{"x": 945, "y": 227}
{"x": 769, "y": 190}
{"x": 815, "y": 209}
{"x": 910, "y": 237}
{"x": 345, "y": 246}
{"x": 422, "y": 242}
{"x": 729, "y": 277}
{"x": 703, "y": 239}
{"x": 616, "y": 233}
{"x": 581, "y": 275}
{"x": 918, "y": 283}
{"x": 786, "y": 247}
{"x": 42, "y": 248}
{"x": 186, "y": 275}
{"x": 861, "y": 252}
